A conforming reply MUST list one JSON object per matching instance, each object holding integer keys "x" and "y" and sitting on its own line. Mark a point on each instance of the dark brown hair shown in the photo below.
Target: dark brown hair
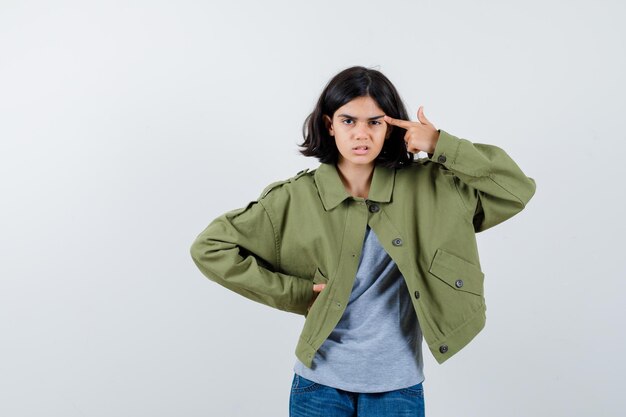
{"x": 347, "y": 85}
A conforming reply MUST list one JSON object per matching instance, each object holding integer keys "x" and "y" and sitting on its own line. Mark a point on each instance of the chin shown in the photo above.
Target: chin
{"x": 357, "y": 161}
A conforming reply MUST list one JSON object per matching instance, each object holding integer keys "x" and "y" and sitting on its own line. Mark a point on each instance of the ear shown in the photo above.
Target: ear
{"x": 329, "y": 125}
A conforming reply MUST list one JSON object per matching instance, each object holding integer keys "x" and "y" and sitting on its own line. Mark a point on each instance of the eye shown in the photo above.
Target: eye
{"x": 376, "y": 122}
{"x": 347, "y": 120}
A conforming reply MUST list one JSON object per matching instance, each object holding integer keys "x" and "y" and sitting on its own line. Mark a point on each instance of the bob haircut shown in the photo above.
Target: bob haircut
{"x": 349, "y": 84}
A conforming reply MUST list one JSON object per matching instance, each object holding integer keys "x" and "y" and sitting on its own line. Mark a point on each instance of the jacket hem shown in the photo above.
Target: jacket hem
{"x": 305, "y": 352}
{"x": 446, "y": 347}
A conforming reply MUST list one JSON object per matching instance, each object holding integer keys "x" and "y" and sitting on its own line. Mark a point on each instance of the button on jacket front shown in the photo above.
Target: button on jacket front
{"x": 308, "y": 229}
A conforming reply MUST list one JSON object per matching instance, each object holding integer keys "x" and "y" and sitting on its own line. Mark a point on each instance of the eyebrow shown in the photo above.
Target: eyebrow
{"x": 352, "y": 117}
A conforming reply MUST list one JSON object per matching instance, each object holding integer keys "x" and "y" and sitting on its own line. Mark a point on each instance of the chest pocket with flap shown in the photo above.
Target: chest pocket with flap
{"x": 457, "y": 272}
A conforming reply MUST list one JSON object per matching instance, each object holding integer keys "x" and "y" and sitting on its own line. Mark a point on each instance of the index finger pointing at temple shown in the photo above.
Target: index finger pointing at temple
{"x": 405, "y": 124}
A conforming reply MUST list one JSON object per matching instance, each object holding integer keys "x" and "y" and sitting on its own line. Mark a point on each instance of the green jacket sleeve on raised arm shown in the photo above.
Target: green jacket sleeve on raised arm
{"x": 491, "y": 184}
{"x": 238, "y": 251}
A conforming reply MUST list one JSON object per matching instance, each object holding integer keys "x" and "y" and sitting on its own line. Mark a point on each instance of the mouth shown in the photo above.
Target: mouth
{"x": 360, "y": 150}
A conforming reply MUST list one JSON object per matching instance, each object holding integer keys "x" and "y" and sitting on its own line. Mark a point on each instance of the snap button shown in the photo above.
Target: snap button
{"x": 397, "y": 242}
{"x": 443, "y": 348}
{"x": 417, "y": 294}
{"x": 374, "y": 208}
{"x": 441, "y": 159}
{"x": 458, "y": 283}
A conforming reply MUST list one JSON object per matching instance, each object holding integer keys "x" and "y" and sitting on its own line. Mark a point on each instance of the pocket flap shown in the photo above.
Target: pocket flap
{"x": 457, "y": 272}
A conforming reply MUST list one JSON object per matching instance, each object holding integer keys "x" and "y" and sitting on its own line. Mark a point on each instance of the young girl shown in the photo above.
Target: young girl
{"x": 375, "y": 248}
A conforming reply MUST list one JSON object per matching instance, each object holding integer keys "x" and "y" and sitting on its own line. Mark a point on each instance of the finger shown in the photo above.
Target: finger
{"x": 318, "y": 287}
{"x": 412, "y": 149}
{"x": 405, "y": 124}
{"x": 421, "y": 117}
{"x": 407, "y": 143}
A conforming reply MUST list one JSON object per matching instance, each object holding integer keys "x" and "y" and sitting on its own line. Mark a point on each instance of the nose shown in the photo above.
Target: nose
{"x": 361, "y": 130}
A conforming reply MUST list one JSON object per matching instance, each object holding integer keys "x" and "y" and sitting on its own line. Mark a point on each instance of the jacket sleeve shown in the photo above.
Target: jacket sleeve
{"x": 490, "y": 184}
{"x": 238, "y": 250}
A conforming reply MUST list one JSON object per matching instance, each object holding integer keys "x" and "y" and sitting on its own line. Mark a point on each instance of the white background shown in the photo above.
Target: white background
{"x": 126, "y": 127}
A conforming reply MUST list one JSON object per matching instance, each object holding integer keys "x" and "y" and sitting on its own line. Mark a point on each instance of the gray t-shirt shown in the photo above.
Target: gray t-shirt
{"x": 377, "y": 344}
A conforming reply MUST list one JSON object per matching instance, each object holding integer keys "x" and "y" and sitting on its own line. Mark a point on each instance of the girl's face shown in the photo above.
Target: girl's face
{"x": 359, "y": 130}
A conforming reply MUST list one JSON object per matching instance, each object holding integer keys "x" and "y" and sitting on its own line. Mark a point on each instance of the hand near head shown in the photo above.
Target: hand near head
{"x": 420, "y": 136}
{"x": 317, "y": 288}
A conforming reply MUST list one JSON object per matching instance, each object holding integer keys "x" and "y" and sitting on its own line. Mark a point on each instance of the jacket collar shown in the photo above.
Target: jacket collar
{"x": 333, "y": 192}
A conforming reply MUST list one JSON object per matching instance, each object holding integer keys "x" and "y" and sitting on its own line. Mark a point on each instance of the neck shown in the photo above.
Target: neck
{"x": 356, "y": 178}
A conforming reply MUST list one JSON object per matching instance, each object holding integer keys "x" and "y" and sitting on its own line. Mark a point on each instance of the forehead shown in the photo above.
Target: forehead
{"x": 361, "y": 107}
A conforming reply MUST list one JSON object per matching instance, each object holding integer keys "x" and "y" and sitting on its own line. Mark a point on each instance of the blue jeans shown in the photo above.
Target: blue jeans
{"x": 310, "y": 399}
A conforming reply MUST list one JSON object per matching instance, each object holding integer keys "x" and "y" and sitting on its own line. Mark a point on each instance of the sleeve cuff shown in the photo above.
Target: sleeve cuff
{"x": 446, "y": 149}
{"x": 303, "y": 294}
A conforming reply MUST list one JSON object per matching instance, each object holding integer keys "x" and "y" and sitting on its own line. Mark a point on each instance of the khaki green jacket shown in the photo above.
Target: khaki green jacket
{"x": 307, "y": 229}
